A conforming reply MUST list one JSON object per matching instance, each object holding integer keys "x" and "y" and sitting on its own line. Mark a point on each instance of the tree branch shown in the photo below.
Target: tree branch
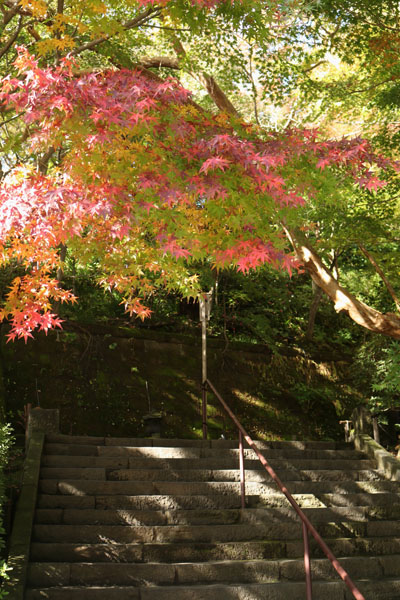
{"x": 371, "y": 87}
{"x": 136, "y": 22}
{"x": 14, "y": 9}
{"x": 384, "y": 323}
{"x": 381, "y": 274}
{"x": 207, "y": 81}
{"x": 9, "y": 14}
{"x": 156, "y": 62}
{"x": 12, "y": 39}
{"x": 43, "y": 162}
{"x": 314, "y": 66}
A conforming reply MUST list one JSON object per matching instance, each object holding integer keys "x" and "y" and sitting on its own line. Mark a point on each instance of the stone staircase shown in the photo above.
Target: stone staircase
{"x": 148, "y": 519}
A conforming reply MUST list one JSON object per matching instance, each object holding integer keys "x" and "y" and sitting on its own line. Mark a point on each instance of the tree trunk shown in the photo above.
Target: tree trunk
{"x": 313, "y": 312}
{"x": 384, "y": 323}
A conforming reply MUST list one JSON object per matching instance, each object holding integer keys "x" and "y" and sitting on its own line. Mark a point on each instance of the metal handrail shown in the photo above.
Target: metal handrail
{"x": 306, "y": 524}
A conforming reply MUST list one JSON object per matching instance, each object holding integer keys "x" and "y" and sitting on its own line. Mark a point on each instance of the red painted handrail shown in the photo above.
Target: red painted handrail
{"x": 307, "y": 525}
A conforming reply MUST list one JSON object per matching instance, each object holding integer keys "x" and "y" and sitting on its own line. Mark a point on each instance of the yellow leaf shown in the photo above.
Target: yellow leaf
{"x": 37, "y": 7}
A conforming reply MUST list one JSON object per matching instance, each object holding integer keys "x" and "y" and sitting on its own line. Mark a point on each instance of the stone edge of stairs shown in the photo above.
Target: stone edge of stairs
{"x": 386, "y": 462}
{"x": 18, "y": 556}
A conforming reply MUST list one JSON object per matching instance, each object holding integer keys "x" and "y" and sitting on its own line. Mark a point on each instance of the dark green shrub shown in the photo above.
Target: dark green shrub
{"x": 6, "y": 440}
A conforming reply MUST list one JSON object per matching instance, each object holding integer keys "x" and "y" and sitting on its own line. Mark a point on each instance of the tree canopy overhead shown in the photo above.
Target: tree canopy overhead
{"x": 108, "y": 154}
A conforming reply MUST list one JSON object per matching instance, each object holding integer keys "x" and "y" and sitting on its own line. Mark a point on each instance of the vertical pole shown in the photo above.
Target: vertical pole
{"x": 203, "y": 319}
{"x": 307, "y": 563}
{"x": 242, "y": 471}
{"x": 204, "y": 409}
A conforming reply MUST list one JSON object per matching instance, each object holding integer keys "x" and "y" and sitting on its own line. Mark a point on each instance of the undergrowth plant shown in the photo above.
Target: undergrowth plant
{"x": 6, "y": 440}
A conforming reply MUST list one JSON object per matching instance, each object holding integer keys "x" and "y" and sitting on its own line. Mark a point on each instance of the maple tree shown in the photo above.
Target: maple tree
{"x": 148, "y": 182}
{"x": 122, "y": 165}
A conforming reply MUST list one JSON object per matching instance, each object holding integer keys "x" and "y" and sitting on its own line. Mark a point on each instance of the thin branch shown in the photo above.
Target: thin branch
{"x": 371, "y": 87}
{"x": 4, "y": 123}
{"x": 34, "y": 33}
{"x": 253, "y": 86}
{"x": 166, "y": 28}
{"x": 376, "y": 21}
{"x": 317, "y": 64}
{"x": 381, "y": 274}
{"x": 12, "y": 39}
{"x": 136, "y": 22}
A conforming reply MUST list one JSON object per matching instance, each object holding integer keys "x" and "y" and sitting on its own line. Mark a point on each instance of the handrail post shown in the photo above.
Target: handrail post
{"x": 242, "y": 471}
{"x": 307, "y": 562}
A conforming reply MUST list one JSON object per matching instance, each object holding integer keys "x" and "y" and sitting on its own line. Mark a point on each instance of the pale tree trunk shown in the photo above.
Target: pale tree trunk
{"x": 384, "y": 323}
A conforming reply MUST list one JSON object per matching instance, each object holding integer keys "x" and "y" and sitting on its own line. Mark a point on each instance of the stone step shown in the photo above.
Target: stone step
{"x": 289, "y": 530}
{"x": 196, "y": 452}
{"x": 97, "y": 516}
{"x": 155, "y": 502}
{"x": 220, "y": 443}
{"x": 191, "y": 551}
{"x": 227, "y": 463}
{"x": 96, "y": 487}
{"x": 329, "y": 590}
{"x": 380, "y": 499}
{"x": 84, "y": 462}
{"x": 257, "y": 571}
{"x": 177, "y": 464}
{"x": 254, "y": 475}
{"x": 242, "y": 592}
{"x": 257, "y": 475}
{"x": 131, "y": 519}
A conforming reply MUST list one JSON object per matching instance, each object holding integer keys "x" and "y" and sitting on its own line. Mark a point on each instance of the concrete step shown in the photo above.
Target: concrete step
{"x": 219, "y": 443}
{"x": 90, "y": 516}
{"x": 196, "y": 452}
{"x": 257, "y": 571}
{"x": 98, "y": 487}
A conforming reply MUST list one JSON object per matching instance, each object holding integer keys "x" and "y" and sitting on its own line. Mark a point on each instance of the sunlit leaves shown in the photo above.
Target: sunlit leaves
{"x": 149, "y": 182}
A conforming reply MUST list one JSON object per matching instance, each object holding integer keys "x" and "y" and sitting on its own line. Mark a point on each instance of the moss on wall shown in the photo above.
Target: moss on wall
{"x": 97, "y": 377}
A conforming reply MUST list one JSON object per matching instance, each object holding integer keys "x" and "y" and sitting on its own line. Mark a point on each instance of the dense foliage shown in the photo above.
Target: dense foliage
{"x": 149, "y": 182}
{"x": 152, "y": 145}
{"x": 6, "y": 440}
